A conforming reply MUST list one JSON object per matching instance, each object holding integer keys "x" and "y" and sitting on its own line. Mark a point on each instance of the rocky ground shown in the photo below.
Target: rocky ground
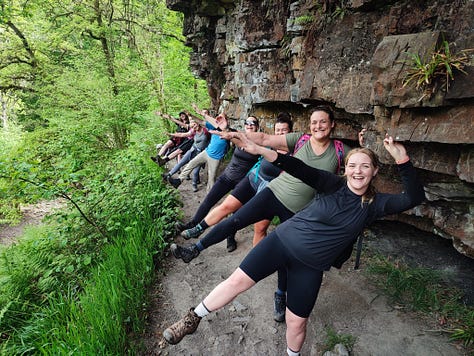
{"x": 348, "y": 303}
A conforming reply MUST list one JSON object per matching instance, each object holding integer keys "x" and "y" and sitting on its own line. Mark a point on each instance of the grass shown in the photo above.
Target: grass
{"x": 441, "y": 64}
{"x": 334, "y": 338}
{"x": 424, "y": 290}
{"x": 64, "y": 289}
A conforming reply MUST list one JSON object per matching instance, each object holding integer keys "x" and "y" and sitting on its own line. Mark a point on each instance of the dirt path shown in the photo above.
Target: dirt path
{"x": 347, "y": 303}
{"x": 32, "y": 215}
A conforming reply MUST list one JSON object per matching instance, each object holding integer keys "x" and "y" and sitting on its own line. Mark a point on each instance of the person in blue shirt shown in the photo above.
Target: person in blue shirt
{"x": 315, "y": 238}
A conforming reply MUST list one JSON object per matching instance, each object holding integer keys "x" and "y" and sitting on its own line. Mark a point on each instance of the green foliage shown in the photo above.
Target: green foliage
{"x": 423, "y": 290}
{"x": 440, "y": 65}
{"x": 57, "y": 278}
{"x": 304, "y": 20}
{"x": 465, "y": 333}
{"x": 333, "y": 338}
{"x": 81, "y": 127}
{"x": 340, "y": 11}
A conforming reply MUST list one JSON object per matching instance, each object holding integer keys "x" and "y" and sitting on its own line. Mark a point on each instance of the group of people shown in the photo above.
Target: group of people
{"x": 295, "y": 177}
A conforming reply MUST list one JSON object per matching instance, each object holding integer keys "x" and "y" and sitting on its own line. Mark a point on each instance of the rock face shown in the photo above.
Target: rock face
{"x": 262, "y": 57}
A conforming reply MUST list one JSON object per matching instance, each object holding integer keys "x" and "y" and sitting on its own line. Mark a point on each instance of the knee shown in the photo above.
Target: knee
{"x": 294, "y": 323}
{"x": 239, "y": 281}
{"x": 227, "y": 208}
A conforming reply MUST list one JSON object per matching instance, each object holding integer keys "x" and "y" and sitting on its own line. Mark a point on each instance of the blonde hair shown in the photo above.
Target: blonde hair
{"x": 369, "y": 194}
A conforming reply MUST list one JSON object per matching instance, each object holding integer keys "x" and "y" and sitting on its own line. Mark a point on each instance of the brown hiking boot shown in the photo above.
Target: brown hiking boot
{"x": 185, "y": 326}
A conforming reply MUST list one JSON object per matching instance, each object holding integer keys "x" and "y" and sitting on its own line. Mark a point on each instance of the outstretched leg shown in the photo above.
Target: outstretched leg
{"x": 251, "y": 271}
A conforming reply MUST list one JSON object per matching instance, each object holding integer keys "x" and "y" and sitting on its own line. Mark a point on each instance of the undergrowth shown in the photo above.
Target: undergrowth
{"x": 424, "y": 290}
{"x": 65, "y": 288}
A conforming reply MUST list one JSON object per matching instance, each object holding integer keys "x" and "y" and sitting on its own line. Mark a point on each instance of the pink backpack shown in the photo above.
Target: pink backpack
{"x": 338, "y": 145}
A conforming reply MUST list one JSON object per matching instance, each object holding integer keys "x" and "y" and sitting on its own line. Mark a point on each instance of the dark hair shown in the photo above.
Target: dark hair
{"x": 284, "y": 118}
{"x": 327, "y": 109}
{"x": 254, "y": 119}
{"x": 186, "y": 116}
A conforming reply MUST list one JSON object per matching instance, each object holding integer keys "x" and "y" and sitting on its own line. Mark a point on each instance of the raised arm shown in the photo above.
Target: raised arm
{"x": 181, "y": 134}
{"x": 321, "y": 180}
{"x": 413, "y": 192}
{"x": 169, "y": 117}
{"x": 277, "y": 142}
{"x": 205, "y": 115}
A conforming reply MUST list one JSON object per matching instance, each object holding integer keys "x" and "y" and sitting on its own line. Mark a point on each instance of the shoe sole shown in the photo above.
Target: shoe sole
{"x": 279, "y": 319}
{"x": 184, "y": 236}
{"x": 175, "y": 251}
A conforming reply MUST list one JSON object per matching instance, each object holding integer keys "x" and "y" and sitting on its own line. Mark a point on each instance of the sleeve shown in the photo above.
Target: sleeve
{"x": 209, "y": 126}
{"x": 323, "y": 181}
{"x": 413, "y": 194}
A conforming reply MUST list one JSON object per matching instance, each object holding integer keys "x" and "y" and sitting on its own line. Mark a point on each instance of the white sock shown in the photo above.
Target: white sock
{"x": 201, "y": 310}
{"x": 292, "y": 353}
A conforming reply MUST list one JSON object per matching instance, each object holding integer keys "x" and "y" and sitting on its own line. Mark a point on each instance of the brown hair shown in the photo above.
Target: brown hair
{"x": 325, "y": 108}
{"x": 369, "y": 195}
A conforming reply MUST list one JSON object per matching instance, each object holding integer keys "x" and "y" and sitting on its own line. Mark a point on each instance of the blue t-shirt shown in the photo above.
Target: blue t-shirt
{"x": 217, "y": 147}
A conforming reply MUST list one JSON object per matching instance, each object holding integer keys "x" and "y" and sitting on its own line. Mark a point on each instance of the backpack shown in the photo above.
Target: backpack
{"x": 346, "y": 254}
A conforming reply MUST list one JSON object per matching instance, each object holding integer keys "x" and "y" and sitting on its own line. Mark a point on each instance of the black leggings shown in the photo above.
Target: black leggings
{"x": 262, "y": 206}
{"x": 221, "y": 187}
{"x": 304, "y": 282}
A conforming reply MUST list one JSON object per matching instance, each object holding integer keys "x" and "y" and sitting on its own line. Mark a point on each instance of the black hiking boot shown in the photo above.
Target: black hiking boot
{"x": 279, "y": 307}
{"x": 180, "y": 226}
{"x": 187, "y": 254}
{"x": 193, "y": 232}
{"x": 175, "y": 182}
{"x": 231, "y": 243}
{"x": 185, "y": 326}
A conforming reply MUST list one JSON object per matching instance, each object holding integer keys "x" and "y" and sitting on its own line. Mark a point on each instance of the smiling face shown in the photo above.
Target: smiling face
{"x": 282, "y": 128}
{"x": 251, "y": 124}
{"x": 359, "y": 171}
{"x": 320, "y": 125}
{"x": 194, "y": 125}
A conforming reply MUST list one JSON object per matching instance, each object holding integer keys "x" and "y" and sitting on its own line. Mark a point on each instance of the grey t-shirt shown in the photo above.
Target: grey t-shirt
{"x": 201, "y": 139}
{"x": 292, "y": 192}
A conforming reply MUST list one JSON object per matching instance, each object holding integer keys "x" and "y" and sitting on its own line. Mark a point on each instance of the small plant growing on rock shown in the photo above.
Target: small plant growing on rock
{"x": 423, "y": 73}
{"x": 333, "y": 338}
{"x": 304, "y": 20}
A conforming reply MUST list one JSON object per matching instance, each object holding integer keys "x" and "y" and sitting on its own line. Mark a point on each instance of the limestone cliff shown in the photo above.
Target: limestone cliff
{"x": 262, "y": 57}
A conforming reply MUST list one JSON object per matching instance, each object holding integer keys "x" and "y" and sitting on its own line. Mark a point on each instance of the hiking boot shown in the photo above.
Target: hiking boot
{"x": 188, "y": 177}
{"x": 195, "y": 187}
{"x": 153, "y": 159}
{"x": 160, "y": 161}
{"x": 279, "y": 307}
{"x": 231, "y": 243}
{"x": 185, "y": 326}
{"x": 187, "y": 254}
{"x": 193, "y": 232}
{"x": 165, "y": 176}
{"x": 180, "y": 226}
{"x": 175, "y": 182}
